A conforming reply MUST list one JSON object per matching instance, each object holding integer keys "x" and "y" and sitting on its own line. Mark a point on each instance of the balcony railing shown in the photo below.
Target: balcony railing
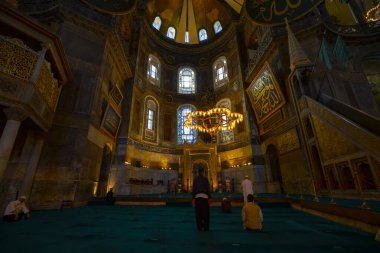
{"x": 17, "y": 59}
{"x": 47, "y": 85}
{"x": 19, "y": 62}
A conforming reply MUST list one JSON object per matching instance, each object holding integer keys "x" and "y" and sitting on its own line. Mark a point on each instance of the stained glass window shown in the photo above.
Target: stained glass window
{"x": 226, "y": 135}
{"x": 185, "y": 134}
{"x": 157, "y": 23}
{"x": 186, "y": 80}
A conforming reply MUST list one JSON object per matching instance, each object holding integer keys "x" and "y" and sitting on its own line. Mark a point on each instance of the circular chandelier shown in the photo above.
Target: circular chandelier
{"x": 212, "y": 121}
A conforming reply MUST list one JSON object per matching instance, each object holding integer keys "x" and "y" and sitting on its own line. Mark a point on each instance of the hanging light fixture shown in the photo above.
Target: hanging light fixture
{"x": 373, "y": 14}
{"x": 212, "y": 121}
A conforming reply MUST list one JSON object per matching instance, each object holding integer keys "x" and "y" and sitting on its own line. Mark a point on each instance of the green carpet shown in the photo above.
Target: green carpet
{"x": 172, "y": 229}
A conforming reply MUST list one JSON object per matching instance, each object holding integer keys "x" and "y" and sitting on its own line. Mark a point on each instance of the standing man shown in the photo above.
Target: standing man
{"x": 247, "y": 188}
{"x": 201, "y": 200}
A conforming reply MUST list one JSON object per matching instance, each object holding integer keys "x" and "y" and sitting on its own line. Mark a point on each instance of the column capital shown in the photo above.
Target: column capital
{"x": 14, "y": 113}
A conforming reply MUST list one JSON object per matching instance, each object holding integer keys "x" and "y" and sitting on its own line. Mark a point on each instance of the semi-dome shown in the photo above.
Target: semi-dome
{"x": 191, "y": 21}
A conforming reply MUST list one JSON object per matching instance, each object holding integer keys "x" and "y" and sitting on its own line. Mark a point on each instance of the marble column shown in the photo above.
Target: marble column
{"x": 8, "y": 137}
{"x": 31, "y": 167}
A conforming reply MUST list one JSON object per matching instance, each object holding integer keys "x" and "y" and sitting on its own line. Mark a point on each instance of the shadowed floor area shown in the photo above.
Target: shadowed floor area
{"x": 172, "y": 229}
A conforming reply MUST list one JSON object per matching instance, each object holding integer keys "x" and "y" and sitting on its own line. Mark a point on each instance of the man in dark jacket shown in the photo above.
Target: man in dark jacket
{"x": 201, "y": 200}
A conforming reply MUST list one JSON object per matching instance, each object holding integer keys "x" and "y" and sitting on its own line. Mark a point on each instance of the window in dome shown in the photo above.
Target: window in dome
{"x": 186, "y": 84}
{"x": 185, "y": 134}
{"x": 186, "y": 37}
{"x": 171, "y": 32}
{"x": 220, "y": 72}
{"x": 202, "y": 35}
{"x": 153, "y": 72}
{"x": 217, "y": 27}
{"x": 157, "y": 23}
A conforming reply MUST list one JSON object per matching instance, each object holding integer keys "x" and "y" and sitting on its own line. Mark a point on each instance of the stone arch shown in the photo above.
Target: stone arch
{"x": 273, "y": 167}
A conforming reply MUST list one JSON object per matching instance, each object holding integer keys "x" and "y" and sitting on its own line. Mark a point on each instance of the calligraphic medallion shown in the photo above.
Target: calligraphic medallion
{"x": 112, "y": 7}
{"x": 274, "y": 12}
{"x": 265, "y": 94}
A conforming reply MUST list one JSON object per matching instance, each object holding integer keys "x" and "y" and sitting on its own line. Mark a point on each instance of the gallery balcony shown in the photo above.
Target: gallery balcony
{"x": 33, "y": 67}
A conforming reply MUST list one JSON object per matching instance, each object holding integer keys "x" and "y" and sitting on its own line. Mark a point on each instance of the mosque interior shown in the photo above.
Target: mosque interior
{"x": 97, "y": 94}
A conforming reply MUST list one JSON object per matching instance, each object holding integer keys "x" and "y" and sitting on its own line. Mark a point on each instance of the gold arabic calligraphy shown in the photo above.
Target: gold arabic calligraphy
{"x": 265, "y": 95}
{"x": 273, "y": 9}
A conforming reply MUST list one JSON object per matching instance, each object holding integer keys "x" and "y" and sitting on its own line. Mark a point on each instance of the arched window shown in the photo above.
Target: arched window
{"x": 217, "y": 27}
{"x": 171, "y": 32}
{"x": 220, "y": 71}
{"x": 186, "y": 37}
{"x": 150, "y": 119}
{"x": 153, "y": 72}
{"x": 186, "y": 78}
{"x": 226, "y": 135}
{"x": 185, "y": 134}
{"x": 157, "y": 23}
{"x": 202, "y": 34}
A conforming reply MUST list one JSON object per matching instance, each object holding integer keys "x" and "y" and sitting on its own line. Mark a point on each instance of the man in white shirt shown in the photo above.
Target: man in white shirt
{"x": 16, "y": 210}
{"x": 247, "y": 188}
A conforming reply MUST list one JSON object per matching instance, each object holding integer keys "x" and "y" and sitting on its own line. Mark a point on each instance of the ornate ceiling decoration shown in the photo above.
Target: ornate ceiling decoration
{"x": 113, "y": 7}
{"x": 274, "y": 12}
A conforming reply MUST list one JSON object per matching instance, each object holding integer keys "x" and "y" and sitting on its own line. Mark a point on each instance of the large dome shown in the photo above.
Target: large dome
{"x": 191, "y": 21}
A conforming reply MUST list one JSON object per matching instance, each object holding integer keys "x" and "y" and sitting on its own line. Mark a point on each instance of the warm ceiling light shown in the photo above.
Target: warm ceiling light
{"x": 373, "y": 14}
{"x": 213, "y": 120}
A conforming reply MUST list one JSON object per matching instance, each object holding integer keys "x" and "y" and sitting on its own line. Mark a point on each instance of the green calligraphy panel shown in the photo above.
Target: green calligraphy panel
{"x": 273, "y": 12}
{"x": 111, "y": 121}
{"x": 265, "y": 94}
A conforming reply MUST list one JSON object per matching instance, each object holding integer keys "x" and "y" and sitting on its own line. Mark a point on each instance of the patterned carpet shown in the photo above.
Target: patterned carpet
{"x": 172, "y": 229}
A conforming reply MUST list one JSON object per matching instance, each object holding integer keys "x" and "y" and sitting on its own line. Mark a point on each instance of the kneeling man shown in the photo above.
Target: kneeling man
{"x": 251, "y": 215}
